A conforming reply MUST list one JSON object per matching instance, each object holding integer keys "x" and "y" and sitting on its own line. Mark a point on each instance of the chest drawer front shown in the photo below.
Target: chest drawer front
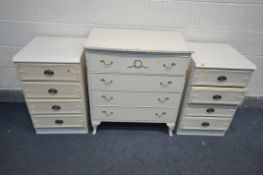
{"x": 205, "y": 123}
{"x": 55, "y": 106}
{"x": 49, "y": 72}
{"x": 51, "y": 90}
{"x": 136, "y": 83}
{"x": 58, "y": 121}
{"x": 110, "y": 98}
{"x": 221, "y": 77}
{"x": 209, "y": 95}
{"x": 210, "y": 110}
{"x": 137, "y": 63}
{"x": 126, "y": 114}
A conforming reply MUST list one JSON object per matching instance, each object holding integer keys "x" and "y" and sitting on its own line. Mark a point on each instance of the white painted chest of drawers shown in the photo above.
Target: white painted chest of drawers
{"x": 135, "y": 75}
{"x": 217, "y": 84}
{"x": 51, "y": 70}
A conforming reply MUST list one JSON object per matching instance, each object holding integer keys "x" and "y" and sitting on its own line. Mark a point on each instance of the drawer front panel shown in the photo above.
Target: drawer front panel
{"x": 208, "y": 95}
{"x": 210, "y": 110}
{"x": 49, "y": 72}
{"x": 55, "y": 106}
{"x": 58, "y": 121}
{"x": 205, "y": 123}
{"x": 137, "y": 63}
{"x": 51, "y": 90}
{"x": 123, "y": 114}
{"x": 136, "y": 83}
{"x": 110, "y": 98}
{"x": 221, "y": 77}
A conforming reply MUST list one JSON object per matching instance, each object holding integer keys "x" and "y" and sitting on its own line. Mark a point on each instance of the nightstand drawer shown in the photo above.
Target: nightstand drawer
{"x": 55, "y": 106}
{"x": 126, "y": 114}
{"x": 221, "y": 77}
{"x": 136, "y": 83}
{"x": 205, "y": 123}
{"x": 109, "y": 62}
{"x": 210, "y": 110}
{"x": 58, "y": 121}
{"x": 48, "y": 72}
{"x": 109, "y": 98}
{"x": 209, "y": 95}
{"x": 51, "y": 90}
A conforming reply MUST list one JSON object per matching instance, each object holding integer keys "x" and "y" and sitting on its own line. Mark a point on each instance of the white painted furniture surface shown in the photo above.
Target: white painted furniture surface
{"x": 51, "y": 70}
{"x": 135, "y": 75}
{"x": 217, "y": 83}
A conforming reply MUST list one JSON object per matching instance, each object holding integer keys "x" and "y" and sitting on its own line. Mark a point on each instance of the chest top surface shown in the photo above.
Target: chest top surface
{"x": 51, "y": 50}
{"x": 219, "y": 56}
{"x": 148, "y": 41}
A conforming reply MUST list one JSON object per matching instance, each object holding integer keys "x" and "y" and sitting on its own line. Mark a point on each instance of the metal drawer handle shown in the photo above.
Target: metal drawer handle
{"x": 169, "y": 67}
{"x": 167, "y": 84}
{"x": 222, "y": 78}
{"x": 217, "y": 97}
{"x": 205, "y": 124}
{"x": 138, "y": 64}
{"x": 210, "y": 110}
{"x": 106, "y": 98}
{"x": 106, "y": 82}
{"x": 56, "y": 107}
{"x": 160, "y": 115}
{"x": 60, "y": 122}
{"x": 105, "y": 63}
{"x": 163, "y": 100}
{"x": 52, "y": 91}
{"x": 49, "y": 72}
{"x": 108, "y": 114}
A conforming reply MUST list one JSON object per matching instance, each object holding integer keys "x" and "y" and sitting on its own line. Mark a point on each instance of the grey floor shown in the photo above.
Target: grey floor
{"x": 127, "y": 149}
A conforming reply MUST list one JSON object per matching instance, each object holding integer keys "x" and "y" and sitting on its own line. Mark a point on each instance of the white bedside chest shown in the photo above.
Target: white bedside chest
{"x": 52, "y": 77}
{"x": 218, "y": 81}
{"x": 135, "y": 75}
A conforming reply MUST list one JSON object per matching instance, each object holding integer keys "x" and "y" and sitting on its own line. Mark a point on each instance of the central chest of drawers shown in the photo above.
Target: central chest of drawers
{"x": 135, "y": 75}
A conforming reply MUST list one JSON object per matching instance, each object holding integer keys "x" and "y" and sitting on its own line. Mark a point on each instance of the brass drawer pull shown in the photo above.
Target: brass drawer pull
{"x": 138, "y": 64}
{"x": 52, "y": 91}
{"x": 205, "y": 124}
{"x": 169, "y": 67}
{"x": 167, "y": 84}
{"x": 56, "y": 107}
{"x": 107, "y": 114}
{"x": 210, "y": 110}
{"x": 163, "y": 100}
{"x": 160, "y": 115}
{"x": 105, "y": 63}
{"x": 217, "y": 97}
{"x": 48, "y": 72}
{"x": 106, "y": 82}
{"x": 222, "y": 78}
{"x": 107, "y": 98}
{"x": 59, "y": 122}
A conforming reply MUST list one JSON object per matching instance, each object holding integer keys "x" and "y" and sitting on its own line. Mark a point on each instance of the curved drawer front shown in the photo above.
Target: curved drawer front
{"x": 221, "y": 77}
{"x": 209, "y": 95}
{"x": 55, "y": 106}
{"x": 205, "y": 123}
{"x": 58, "y": 121}
{"x": 137, "y": 63}
{"x": 136, "y": 83}
{"x": 110, "y": 98}
{"x": 51, "y": 90}
{"x": 210, "y": 110}
{"x": 123, "y": 114}
{"x": 49, "y": 72}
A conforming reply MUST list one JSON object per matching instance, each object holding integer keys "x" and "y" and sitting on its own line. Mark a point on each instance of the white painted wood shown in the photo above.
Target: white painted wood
{"x": 52, "y": 90}
{"x": 137, "y": 41}
{"x": 196, "y": 132}
{"x": 110, "y": 62}
{"x": 61, "y": 130}
{"x": 136, "y": 83}
{"x": 111, "y": 98}
{"x": 211, "y": 77}
{"x": 51, "y": 50}
{"x": 58, "y": 72}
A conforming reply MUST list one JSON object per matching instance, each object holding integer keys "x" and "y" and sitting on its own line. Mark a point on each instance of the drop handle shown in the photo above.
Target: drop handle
{"x": 222, "y": 78}
{"x": 166, "y": 84}
{"x": 160, "y": 115}
{"x": 205, "y": 124}
{"x": 107, "y": 98}
{"x": 52, "y": 91}
{"x": 106, "y": 82}
{"x": 105, "y": 63}
{"x": 217, "y": 97}
{"x": 210, "y": 110}
{"x": 108, "y": 114}
{"x": 163, "y": 100}
{"x": 169, "y": 66}
{"x": 48, "y": 72}
{"x": 59, "y": 122}
{"x": 56, "y": 107}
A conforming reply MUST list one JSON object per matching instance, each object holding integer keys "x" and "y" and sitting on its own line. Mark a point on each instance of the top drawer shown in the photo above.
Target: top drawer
{"x": 221, "y": 77}
{"x": 49, "y": 72}
{"x": 107, "y": 62}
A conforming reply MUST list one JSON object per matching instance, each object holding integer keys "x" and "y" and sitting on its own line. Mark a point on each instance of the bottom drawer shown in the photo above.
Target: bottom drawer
{"x": 130, "y": 114}
{"x": 205, "y": 123}
{"x": 58, "y": 121}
